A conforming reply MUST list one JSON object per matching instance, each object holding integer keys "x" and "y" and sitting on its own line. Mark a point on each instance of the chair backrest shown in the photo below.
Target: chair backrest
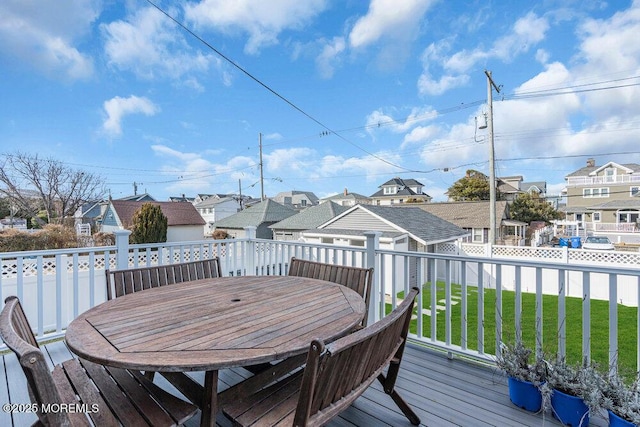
{"x": 18, "y": 336}
{"x": 337, "y": 374}
{"x": 126, "y": 281}
{"x": 356, "y": 278}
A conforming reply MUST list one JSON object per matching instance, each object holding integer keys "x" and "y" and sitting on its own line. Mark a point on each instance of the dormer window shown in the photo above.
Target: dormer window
{"x": 390, "y": 190}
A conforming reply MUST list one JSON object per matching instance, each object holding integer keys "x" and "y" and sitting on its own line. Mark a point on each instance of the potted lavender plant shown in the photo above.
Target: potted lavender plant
{"x": 572, "y": 391}
{"x": 621, "y": 400}
{"x": 525, "y": 374}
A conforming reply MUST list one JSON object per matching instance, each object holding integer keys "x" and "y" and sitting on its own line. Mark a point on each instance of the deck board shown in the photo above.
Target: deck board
{"x": 443, "y": 392}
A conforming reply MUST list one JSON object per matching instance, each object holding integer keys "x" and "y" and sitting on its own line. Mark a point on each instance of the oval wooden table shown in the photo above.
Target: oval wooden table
{"x": 210, "y": 324}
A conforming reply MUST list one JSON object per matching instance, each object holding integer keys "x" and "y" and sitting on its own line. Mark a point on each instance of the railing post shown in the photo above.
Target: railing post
{"x": 250, "y": 254}
{"x": 122, "y": 249}
{"x": 377, "y": 296}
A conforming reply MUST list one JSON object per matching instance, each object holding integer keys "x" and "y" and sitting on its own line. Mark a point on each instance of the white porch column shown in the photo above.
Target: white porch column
{"x": 377, "y": 295}
{"x": 249, "y": 256}
{"x": 122, "y": 245}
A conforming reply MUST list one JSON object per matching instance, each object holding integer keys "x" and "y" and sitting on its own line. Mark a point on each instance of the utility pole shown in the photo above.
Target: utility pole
{"x": 261, "y": 173}
{"x": 240, "y": 192}
{"x": 492, "y": 167}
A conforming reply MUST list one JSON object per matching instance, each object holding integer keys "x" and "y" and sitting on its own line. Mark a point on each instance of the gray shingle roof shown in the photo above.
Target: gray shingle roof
{"x": 211, "y": 201}
{"x": 310, "y": 217}
{"x": 467, "y": 214}
{"x": 420, "y": 225}
{"x": 618, "y": 204}
{"x": 266, "y": 211}
{"x": 348, "y": 196}
{"x": 584, "y": 171}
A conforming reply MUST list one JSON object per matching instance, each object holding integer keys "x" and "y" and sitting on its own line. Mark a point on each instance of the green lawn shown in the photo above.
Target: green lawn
{"x": 627, "y": 321}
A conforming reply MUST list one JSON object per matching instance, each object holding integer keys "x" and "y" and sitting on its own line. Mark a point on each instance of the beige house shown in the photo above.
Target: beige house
{"x": 605, "y": 199}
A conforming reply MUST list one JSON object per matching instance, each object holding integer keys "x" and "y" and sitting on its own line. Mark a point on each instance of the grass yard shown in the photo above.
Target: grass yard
{"x": 627, "y": 321}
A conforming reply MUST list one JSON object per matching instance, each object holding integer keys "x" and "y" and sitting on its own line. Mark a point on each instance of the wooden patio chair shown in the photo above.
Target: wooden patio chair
{"x": 335, "y": 375}
{"x": 356, "y": 278}
{"x": 126, "y": 281}
{"x": 96, "y": 394}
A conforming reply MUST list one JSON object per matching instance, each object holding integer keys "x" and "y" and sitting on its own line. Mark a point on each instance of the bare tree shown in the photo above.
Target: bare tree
{"x": 34, "y": 184}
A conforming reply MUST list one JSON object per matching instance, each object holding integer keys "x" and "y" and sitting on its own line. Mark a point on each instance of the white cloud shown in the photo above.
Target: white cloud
{"x": 42, "y": 35}
{"x": 388, "y": 19}
{"x": 527, "y": 32}
{"x": 263, "y": 21}
{"x": 149, "y": 45}
{"x": 192, "y": 172}
{"x": 329, "y": 58}
{"x": 117, "y": 108}
{"x": 378, "y": 120}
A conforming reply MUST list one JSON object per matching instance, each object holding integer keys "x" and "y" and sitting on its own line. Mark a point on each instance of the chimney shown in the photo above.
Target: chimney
{"x": 346, "y": 192}
{"x": 591, "y": 163}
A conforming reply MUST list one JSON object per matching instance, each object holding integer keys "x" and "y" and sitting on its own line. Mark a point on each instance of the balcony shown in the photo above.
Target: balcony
{"x": 472, "y": 295}
{"x": 577, "y": 181}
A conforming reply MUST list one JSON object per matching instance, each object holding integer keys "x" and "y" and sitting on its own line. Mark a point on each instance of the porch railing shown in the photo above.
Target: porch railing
{"x": 471, "y": 299}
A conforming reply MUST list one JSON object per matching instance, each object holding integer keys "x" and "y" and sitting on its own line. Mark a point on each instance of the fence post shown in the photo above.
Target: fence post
{"x": 250, "y": 252}
{"x": 373, "y": 244}
{"x": 122, "y": 248}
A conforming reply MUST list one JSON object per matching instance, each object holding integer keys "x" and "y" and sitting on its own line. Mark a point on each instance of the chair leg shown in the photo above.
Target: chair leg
{"x": 399, "y": 401}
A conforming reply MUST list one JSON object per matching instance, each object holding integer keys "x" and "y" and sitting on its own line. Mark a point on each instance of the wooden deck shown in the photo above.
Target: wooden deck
{"x": 443, "y": 392}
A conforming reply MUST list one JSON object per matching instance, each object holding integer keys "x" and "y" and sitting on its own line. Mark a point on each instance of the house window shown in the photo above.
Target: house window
{"x": 327, "y": 240}
{"x": 609, "y": 175}
{"x": 634, "y": 191}
{"x": 303, "y": 202}
{"x": 477, "y": 235}
{"x": 392, "y": 201}
{"x": 390, "y": 190}
{"x": 401, "y": 201}
{"x": 628, "y": 216}
{"x": 595, "y": 217}
{"x": 595, "y": 192}
{"x": 357, "y": 243}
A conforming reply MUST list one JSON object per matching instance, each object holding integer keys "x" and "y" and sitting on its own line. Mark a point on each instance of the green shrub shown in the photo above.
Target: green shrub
{"x": 149, "y": 225}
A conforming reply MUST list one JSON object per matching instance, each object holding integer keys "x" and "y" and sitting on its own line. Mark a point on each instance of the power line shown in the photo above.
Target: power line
{"x": 272, "y": 91}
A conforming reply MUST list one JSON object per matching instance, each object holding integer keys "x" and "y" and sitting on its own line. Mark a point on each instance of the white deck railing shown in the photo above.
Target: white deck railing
{"x": 55, "y": 286}
{"x": 589, "y": 180}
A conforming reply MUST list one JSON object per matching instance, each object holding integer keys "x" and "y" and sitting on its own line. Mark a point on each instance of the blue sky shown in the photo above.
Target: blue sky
{"x": 346, "y": 94}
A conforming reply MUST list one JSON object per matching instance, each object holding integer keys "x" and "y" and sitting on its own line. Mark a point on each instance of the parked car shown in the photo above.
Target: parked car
{"x": 598, "y": 242}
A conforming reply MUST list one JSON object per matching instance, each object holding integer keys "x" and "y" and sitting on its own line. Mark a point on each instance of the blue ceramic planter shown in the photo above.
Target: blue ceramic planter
{"x": 525, "y": 395}
{"x": 616, "y": 421}
{"x": 569, "y": 410}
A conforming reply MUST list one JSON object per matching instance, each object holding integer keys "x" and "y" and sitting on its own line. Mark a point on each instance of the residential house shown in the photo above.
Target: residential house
{"x": 605, "y": 199}
{"x": 182, "y": 198}
{"x": 261, "y": 216}
{"x": 144, "y": 197}
{"x": 296, "y": 199}
{"x": 474, "y": 217}
{"x": 15, "y": 223}
{"x": 398, "y": 191}
{"x": 403, "y": 229}
{"x": 510, "y": 186}
{"x": 183, "y": 220}
{"x": 291, "y": 228}
{"x": 214, "y": 209}
{"x": 90, "y": 213}
{"x": 347, "y": 198}
{"x": 407, "y": 229}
